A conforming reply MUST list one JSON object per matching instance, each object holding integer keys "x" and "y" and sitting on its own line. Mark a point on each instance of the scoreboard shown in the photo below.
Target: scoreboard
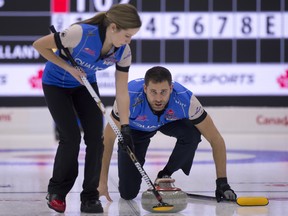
{"x": 206, "y": 31}
{"x": 217, "y": 48}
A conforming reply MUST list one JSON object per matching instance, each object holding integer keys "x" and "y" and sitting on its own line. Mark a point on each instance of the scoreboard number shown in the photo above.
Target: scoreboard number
{"x": 246, "y": 25}
{"x": 99, "y": 5}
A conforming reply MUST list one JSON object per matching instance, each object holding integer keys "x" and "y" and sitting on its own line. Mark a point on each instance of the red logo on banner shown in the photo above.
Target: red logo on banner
{"x": 60, "y": 5}
{"x": 36, "y": 81}
{"x": 278, "y": 120}
{"x": 283, "y": 80}
{"x": 4, "y": 117}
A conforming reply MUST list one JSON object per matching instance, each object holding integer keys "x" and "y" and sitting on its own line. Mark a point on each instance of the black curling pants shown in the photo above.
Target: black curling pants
{"x": 63, "y": 104}
{"x": 188, "y": 137}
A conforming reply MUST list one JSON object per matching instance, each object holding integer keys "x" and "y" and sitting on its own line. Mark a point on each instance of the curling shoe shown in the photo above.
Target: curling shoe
{"x": 91, "y": 206}
{"x": 56, "y": 202}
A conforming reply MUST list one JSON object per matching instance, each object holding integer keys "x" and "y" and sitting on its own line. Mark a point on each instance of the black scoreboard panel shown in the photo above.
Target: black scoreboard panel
{"x": 22, "y": 22}
{"x": 25, "y": 25}
{"x": 24, "y": 5}
{"x": 25, "y": 21}
{"x": 24, "y": 18}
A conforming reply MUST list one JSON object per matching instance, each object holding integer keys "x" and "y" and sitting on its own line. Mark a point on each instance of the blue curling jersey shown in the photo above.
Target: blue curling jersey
{"x": 87, "y": 54}
{"x": 182, "y": 104}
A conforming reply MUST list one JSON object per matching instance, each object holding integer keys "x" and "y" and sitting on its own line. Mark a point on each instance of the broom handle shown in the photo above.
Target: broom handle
{"x": 199, "y": 196}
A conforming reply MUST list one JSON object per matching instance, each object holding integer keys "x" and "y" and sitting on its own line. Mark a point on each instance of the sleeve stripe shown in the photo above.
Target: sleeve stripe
{"x": 124, "y": 69}
{"x": 200, "y": 119}
{"x": 115, "y": 116}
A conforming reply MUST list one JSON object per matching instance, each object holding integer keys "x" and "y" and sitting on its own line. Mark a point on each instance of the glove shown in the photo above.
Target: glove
{"x": 127, "y": 138}
{"x": 223, "y": 190}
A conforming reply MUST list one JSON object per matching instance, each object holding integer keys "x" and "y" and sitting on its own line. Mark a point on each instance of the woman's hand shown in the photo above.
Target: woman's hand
{"x": 77, "y": 72}
{"x": 103, "y": 191}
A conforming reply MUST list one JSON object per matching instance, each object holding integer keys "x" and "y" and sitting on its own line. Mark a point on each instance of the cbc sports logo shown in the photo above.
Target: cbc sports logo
{"x": 222, "y": 79}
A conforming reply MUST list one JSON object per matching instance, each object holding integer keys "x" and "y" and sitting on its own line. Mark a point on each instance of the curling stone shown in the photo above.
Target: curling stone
{"x": 172, "y": 196}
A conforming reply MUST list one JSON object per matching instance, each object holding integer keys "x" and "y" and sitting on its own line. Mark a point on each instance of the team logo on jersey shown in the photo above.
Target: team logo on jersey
{"x": 63, "y": 34}
{"x": 91, "y": 33}
{"x": 89, "y": 51}
{"x": 170, "y": 115}
{"x": 141, "y": 118}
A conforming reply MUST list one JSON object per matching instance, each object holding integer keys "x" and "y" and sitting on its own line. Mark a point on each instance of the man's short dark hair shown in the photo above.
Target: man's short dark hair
{"x": 158, "y": 74}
